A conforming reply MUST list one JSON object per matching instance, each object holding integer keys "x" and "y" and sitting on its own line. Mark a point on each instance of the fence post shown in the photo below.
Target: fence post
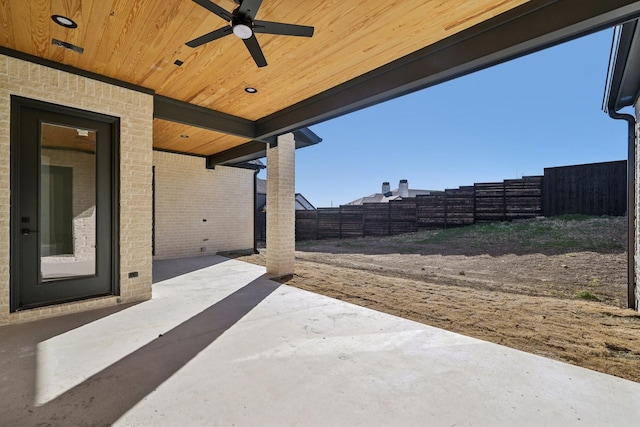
{"x": 389, "y": 218}
{"x": 474, "y": 203}
{"x": 340, "y": 222}
{"x": 504, "y": 201}
{"x": 445, "y": 208}
{"x": 542, "y": 203}
{"x": 317, "y": 224}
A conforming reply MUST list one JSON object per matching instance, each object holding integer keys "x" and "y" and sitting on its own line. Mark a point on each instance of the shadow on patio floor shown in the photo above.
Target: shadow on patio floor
{"x": 107, "y": 395}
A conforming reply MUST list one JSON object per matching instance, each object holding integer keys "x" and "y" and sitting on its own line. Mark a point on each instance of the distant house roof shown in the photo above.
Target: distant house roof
{"x": 251, "y": 164}
{"x": 301, "y": 202}
{"x": 374, "y": 198}
{"x": 261, "y": 186}
{"x": 386, "y": 198}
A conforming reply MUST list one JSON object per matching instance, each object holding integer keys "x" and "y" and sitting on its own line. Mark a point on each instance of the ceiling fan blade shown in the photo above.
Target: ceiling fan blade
{"x": 250, "y": 8}
{"x": 254, "y": 49}
{"x": 214, "y": 8}
{"x": 209, "y": 37}
{"x": 267, "y": 27}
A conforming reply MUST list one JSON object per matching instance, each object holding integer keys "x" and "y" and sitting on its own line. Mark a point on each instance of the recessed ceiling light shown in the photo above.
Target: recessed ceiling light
{"x": 64, "y": 21}
{"x": 184, "y": 136}
{"x": 251, "y": 90}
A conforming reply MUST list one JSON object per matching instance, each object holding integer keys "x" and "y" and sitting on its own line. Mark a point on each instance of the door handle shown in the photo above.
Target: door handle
{"x": 26, "y": 231}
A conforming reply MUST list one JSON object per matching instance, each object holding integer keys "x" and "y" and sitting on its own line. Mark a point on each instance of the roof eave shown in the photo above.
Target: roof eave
{"x": 623, "y": 76}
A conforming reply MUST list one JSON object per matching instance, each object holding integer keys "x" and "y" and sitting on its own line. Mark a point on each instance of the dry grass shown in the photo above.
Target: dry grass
{"x": 525, "y": 285}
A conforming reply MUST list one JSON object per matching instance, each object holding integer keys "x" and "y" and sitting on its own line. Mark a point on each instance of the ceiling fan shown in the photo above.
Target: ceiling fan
{"x": 243, "y": 24}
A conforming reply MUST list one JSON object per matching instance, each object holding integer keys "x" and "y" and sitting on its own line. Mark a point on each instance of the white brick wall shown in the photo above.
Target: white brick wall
{"x": 187, "y": 193}
{"x": 135, "y": 111}
{"x": 281, "y": 207}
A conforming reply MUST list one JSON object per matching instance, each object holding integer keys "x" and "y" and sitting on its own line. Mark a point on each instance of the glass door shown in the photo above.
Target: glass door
{"x": 63, "y": 191}
{"x": 67, "y": 202}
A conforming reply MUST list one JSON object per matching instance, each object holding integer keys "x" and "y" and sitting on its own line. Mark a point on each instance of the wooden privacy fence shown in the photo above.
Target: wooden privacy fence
{"x": 486, "y": 202}
{"x": 591, "y": 189}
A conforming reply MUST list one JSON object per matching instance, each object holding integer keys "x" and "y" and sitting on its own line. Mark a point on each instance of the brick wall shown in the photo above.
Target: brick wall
{"x": 187, "y": 194}
{"x": 281, "y": 207}
{"x": 135, "y": 111}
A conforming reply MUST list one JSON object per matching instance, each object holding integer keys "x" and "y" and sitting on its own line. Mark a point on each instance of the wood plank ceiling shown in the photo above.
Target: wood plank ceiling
{"x": 139, "y": 41}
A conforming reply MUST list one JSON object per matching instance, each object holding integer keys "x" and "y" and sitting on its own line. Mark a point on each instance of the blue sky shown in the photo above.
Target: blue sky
{"x": 514, "y": 119}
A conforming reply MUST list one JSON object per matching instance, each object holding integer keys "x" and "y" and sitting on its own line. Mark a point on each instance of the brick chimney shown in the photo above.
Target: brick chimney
{"x": 386, "y": 187}
{"x": 403, "y": 188}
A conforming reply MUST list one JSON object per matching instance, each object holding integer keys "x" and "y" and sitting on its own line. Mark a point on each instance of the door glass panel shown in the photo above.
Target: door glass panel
{"x": 67, "y": 202}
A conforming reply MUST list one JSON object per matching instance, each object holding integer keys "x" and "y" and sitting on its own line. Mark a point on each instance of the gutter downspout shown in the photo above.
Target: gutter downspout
{"x": 631, "y": 205}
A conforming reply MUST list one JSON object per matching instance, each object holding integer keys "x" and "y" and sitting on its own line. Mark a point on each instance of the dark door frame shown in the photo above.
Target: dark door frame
{"x": 18, "y": 104}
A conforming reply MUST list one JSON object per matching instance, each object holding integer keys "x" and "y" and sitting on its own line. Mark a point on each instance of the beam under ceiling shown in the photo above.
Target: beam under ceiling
{"x": 256, "y": 149}
{"x": 189, "y": 114}
{"x": 242, "y": 153}
{"x": 535, "y": 25}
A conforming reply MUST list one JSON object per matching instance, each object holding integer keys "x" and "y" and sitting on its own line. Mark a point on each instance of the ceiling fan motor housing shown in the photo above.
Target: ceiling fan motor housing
{"x": 242, "y": 21}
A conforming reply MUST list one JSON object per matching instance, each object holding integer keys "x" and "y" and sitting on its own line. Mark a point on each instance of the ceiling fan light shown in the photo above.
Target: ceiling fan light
{"x": 242, "y": 31}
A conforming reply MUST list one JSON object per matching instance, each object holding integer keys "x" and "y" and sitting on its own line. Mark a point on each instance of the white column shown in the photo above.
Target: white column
{"x": 281, "y": 207}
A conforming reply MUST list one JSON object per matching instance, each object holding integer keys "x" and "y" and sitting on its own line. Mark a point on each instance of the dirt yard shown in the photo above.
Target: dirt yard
{"x": 555, "y": 288}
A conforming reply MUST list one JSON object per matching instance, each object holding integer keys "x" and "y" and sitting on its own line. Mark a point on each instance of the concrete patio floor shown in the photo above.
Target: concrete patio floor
{"x": 220, "y": 345}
